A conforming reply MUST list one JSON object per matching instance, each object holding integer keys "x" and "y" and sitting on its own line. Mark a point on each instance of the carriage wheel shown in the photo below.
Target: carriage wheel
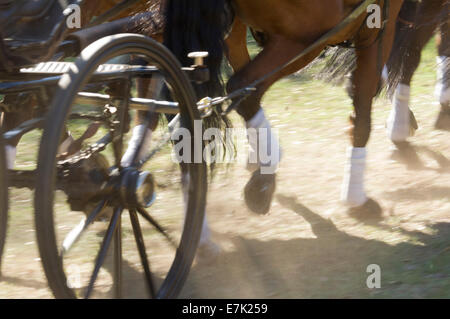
{"x": 98, "y": 221}
{"x": 3, "y": 199}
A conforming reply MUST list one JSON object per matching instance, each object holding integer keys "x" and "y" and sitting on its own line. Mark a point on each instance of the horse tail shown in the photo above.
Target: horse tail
{"x": 197, "y": 25}
{"x": 200, "y": 25}
{"x": 408, "y": 22}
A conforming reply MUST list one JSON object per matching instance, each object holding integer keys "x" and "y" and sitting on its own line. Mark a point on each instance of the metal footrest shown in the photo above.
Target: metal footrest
{"x": 58, "y": 68}
{"x": 48, "y": 74}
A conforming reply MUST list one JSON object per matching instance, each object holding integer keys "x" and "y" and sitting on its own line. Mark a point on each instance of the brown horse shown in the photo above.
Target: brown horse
{"x": 289, "y": 27}
{"x": 219, "y": 26}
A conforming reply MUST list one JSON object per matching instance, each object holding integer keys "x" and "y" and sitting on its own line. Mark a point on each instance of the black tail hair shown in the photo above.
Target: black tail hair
{"x": 412, "y": 11}
{"x": 200, "y": 25}
{"x": 401, "y": 47}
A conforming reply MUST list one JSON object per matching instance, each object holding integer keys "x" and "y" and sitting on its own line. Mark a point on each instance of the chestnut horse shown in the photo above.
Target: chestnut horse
{"x": 289, "y": 27}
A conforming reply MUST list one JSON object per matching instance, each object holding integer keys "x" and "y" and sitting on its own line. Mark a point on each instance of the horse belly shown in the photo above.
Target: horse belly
{"x": 299, "y": 20}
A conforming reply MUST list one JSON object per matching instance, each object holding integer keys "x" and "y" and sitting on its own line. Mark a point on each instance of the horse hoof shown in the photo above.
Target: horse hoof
{"x": 443, "y": 120}
{"x": 259, "y": 192}
{"x": 370, "y": 212}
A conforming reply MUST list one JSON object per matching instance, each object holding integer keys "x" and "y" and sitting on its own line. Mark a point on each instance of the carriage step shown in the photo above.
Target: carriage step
{"x": 58, "y": 68}
{"x": 49, "y": 73}
{"x": 196, "y": 74}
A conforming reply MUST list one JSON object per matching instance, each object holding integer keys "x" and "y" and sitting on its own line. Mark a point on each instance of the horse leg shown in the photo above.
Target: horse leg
{"x": 362, "y": 93}
{"x": 365, "y": 82}
{"x": 401, "y": 123}
{"x": 21, "y": 113}
{"x": 10, "y": 121}
{"x": 443, "y": 85}
{"x": 146, "y": 88}
{"x": 264, "y": 147}
{"x": 237, "y": 55}
{"x": 236, "y": 42}
{"x": 145, "y": 124}
{"x": 152, "y": 88}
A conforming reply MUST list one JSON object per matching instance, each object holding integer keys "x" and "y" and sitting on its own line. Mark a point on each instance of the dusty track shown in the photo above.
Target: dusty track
{"x": 307, "y": 247}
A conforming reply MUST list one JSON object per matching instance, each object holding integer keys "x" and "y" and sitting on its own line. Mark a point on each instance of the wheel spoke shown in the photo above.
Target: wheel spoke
{"x": 3, "y": 199}
{"x": 164, "y": 140}
{"x": 103, "y": 250}
{"x": 123, "y": 110}
{"x": 158, "y": 227}
{"x": 118, "y": 259}
{"x": 137, "y": 151}
{"x": 142, "y": 252}
{"x": 75, "y": 234}
{"x": 155, "y": 88}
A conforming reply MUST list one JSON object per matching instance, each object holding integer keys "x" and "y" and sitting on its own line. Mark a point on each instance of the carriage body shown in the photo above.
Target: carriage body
{"x": 37, "y": 80}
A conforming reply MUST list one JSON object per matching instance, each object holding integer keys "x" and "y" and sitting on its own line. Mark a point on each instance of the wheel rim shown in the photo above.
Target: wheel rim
{"x": 3, "y": 200}
{"x": 121, "y": 191}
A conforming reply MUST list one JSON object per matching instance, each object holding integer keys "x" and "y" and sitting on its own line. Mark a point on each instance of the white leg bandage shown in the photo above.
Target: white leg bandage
{"x": 353, "y": 193}
{"x": 264, "y": 152}
{"x": 10, "y": 153}
{"x": 205, "y": 235}
{"x": 442, "y": 89}
{"x": 133, "y": 144}
{"x": 64, "y": 147}
{"x": 398, "y": 126}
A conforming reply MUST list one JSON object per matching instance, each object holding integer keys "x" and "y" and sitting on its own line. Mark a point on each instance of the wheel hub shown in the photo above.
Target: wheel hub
{"x": 136, "y": 188}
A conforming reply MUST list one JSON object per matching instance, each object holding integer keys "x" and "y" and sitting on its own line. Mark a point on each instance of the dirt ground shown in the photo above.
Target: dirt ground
{"x": 308, "y": 246}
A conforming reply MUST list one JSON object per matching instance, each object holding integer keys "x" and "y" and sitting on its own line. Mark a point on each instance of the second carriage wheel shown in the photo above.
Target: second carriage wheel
{"x": 3, "y": 200}
{"x": 109, "y": 226}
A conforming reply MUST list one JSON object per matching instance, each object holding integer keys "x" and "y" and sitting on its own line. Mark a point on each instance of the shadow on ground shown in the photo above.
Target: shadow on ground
{"x": 413, "y": 157}
{"x": 331, "y": 265}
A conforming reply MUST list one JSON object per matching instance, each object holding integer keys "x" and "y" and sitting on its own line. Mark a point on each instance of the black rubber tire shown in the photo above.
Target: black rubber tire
{"x": 95, "y": 54}
{"x": 3, "y": 200}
